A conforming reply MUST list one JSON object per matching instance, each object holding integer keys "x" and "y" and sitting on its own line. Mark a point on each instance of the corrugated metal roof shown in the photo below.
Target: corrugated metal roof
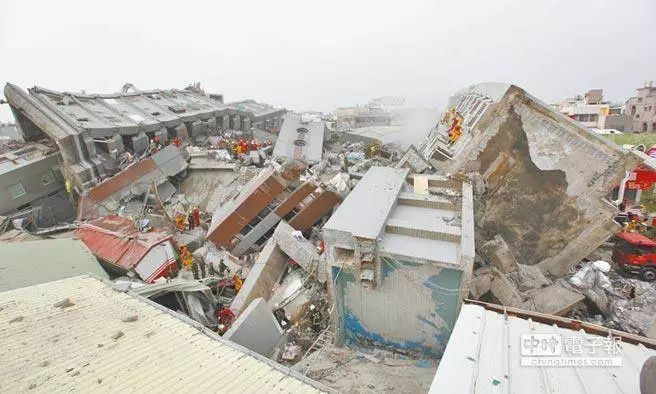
{"x": 28, "y": 263}
{"x": 115, "y": 239}
{"x": 365, "y": 210}
{"x": 483, "y": 356}
{"x": 298, "y": 140}
{"x": 44, "y": 348}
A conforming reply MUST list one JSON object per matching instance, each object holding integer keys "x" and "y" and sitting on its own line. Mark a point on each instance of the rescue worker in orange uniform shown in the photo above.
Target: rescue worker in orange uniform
{"x": 238, "y": 282}
{"x": 180, "y": 222}
{"x": 186, "y": 257}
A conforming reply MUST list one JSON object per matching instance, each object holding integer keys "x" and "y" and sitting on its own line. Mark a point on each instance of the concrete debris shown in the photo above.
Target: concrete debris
{"x": 593, "y": 282}
{"x": 292, "y": 352}
{"x": 291, "y": 234}
{"x": 540, "y": 169}
{"x": 256, "y": 328}
{"x": 528, "y": 277}
{"x": 65, "y": 303}
{"x": 263, "y": 202}
{"x": 137, "y": 179}
{"x": 414, "y": 160}
{"x": 527, "y": 288}
{"x": 296, "y": 247}
{"x": 499, "y": 254}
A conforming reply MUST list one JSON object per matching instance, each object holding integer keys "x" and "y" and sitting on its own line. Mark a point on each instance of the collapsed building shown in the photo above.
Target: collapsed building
{"x": 32, "y": 186}
{"x": 246, "y": 221}
{"x": 254, "y": 114}
{"x": 150, "y": 173}
{"x": 546, "y": 177}
{"x": 93, "y": 131}
{"x": 400, "y": 260}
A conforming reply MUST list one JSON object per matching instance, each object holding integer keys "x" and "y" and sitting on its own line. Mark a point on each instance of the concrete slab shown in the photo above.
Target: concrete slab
{"x": 554, "y": 300}
{"x": 256, "y": 328}
{"x": 499, "y": 254}
{"x": 300, "y": 250}
{"x": 266, "y": 271}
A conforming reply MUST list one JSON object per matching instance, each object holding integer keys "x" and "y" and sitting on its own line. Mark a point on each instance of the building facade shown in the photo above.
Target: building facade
{"x": 642, "y": 108}
{"x": 32, "y": 186}
{"x": 246, "y": 221}
{"x": 592, "y": 111}
{"x": 400, "y": 261}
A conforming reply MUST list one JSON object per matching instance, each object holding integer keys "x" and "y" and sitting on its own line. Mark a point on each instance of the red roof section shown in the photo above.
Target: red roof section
{"x": 116, "y": 240}
{"x": 636, "y": 239}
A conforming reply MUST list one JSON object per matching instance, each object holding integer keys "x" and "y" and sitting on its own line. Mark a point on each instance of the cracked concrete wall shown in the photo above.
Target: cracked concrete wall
{"x": 546, "y": 179}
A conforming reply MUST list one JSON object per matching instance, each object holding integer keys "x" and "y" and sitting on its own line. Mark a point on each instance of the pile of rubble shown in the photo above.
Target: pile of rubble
{"x": 289, "y": 248}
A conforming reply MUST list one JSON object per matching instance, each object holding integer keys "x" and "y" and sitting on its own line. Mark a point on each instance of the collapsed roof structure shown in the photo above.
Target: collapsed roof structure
{"x": 546, "y": 176}
{"x": 122, "y": 249}
{"x": 93, "y": 130}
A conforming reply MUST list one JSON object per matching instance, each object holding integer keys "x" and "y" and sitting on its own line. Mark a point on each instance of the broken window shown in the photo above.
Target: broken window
{"x": 16, "y": 190}
{"x": 47, "y": 178}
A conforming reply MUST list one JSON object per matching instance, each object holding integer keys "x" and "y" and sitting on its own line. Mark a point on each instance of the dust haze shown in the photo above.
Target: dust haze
{"x": 306, "y": 55}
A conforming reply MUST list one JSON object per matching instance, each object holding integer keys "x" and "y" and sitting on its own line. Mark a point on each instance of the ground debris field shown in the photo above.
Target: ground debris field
{"x": 320, "y": 251}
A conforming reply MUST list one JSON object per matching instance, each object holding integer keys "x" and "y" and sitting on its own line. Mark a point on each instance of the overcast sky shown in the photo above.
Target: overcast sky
{"x": 322, "y": 54}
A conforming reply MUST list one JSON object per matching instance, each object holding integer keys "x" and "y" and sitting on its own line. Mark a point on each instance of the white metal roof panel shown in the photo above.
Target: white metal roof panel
{"x": 366, "y": 209}
{"x": 483, "y": 356}
{"x": 44, "y": 348}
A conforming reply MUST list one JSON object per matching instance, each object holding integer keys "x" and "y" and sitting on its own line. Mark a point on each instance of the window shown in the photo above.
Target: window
{"x": 16, "y": 190}
{"x": 644, "y": 126}
{"x": 47, "y": 178}
{"x": 594, "y": 118}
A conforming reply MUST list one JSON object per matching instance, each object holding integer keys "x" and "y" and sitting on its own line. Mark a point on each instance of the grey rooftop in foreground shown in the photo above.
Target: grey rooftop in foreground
{"x": 105, "y": 340}
{"x": 29, "y": 263}
{"x": 483, "y": 356}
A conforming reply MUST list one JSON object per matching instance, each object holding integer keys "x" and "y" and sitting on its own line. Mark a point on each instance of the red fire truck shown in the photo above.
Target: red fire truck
{"x": 636, "y": 253}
